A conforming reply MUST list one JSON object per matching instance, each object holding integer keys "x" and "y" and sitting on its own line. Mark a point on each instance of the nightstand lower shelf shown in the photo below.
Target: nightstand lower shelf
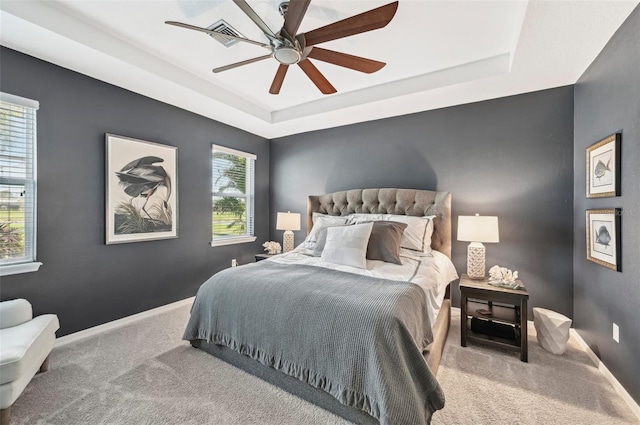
{"x": 512, "y": 342}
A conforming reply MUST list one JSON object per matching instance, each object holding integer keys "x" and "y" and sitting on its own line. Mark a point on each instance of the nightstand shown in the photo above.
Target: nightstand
{"x": 260, "y": 257}
{"x": 493, "y": 315}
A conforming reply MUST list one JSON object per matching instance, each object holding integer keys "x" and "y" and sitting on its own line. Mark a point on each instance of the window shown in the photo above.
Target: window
{"x": 17, "y": 184}
{"x": 232, "y": 196}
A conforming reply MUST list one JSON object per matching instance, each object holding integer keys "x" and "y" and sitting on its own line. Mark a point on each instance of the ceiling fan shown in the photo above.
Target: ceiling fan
{"x": 289, "y": 49}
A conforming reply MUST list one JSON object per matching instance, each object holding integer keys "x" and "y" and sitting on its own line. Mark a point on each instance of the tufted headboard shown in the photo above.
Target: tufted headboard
{"x": 390, "y": 201}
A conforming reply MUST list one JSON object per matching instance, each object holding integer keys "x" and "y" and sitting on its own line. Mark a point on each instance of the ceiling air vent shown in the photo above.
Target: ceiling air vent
{"x": 223, "y": 27}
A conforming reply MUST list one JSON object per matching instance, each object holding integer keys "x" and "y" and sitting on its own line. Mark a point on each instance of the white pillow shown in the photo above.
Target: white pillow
{"x": 347, "y": 245}
{"x": 321, "y": 221}
{"x": 315, "y": 216}
{"x": 417, "y": 235}
{"x": 359, "y": 218}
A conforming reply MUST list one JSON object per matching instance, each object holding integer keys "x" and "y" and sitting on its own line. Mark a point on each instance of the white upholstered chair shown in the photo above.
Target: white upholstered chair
{"x": 25, "y": 344}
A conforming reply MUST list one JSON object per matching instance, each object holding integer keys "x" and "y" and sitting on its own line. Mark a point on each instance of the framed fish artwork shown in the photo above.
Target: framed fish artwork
{"x": 603, "y": 237}
{"x": 603, "y": 167}
{"x": 141, "y": 190}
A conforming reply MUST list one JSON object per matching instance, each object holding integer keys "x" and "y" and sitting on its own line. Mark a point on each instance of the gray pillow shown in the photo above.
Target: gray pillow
{"x": 385, "y": 240}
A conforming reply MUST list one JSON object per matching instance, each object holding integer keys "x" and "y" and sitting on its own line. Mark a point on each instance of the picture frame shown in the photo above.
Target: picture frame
{"x": 603, "y": 167}
{"x": 603, "y": 237}
{"x": 141, "y": 180}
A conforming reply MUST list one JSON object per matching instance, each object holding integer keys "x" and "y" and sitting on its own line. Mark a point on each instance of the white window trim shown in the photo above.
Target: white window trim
{"x": 234, "y": 152}
{"x": 17, "y": 100}
{"x": 8, "y": 270}
{"x": 33, "y": 265}
{"x": 232, "y": 240}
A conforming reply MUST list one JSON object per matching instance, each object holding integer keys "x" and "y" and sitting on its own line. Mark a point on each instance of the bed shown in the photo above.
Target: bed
{"x": 356, "y": 343}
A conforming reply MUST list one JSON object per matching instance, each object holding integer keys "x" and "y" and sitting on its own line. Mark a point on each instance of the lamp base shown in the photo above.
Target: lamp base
{"x": 287, "y": 241}
{"x": 476, "y": 260}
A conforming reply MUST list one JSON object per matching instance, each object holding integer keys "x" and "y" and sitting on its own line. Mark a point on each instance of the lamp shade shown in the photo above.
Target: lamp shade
{"x": 288, "y": 221}
{"x": 478, "y": 228}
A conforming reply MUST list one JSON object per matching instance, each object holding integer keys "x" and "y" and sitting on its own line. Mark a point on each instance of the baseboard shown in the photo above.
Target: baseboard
{"x": 86, "y": 333}
{"x": 635, "y": 408}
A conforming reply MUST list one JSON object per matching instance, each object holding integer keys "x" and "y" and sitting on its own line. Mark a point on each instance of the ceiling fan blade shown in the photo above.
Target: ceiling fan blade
{"x": 216, "y": 34}
{"x": 348, "y": 61}
{"x": 237, "y": 64}
{"x": 367, "y": 21}
{"x": 242, "y": 4}
{"x": 278, "y": 79}
{"x": 295, "y": 13}
{"x": 318, "y": 79}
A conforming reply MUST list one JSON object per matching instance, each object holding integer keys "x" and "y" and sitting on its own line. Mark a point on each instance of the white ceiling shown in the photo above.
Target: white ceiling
{"x": 438, "y": 54}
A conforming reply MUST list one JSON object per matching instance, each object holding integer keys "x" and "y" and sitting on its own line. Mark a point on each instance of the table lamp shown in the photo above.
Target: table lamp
{"x": 288, "y": 221}
{"x": 477, "y": 229}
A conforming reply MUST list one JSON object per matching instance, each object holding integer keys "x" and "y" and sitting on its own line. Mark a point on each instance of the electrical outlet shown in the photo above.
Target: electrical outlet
{"x": 616, "y": 333}
{"x": 234, "y": 262}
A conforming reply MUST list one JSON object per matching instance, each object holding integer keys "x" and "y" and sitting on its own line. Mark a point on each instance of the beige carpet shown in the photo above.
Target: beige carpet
{"x": 144, "y": 374}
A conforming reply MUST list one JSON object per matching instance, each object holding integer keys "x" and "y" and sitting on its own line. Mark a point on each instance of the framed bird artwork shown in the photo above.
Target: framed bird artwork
{"x": 603, "y": 167}
{"x": 603, "y": 237}
{"x": 141, "y": 190}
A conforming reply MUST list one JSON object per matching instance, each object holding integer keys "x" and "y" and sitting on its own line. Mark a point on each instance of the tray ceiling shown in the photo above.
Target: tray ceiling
{"x": 438, "y": 54}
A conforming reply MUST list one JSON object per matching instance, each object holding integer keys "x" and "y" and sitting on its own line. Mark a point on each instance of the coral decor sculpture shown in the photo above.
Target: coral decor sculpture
{"x": 272, "y": 247}
{"x": 502, "y": 276}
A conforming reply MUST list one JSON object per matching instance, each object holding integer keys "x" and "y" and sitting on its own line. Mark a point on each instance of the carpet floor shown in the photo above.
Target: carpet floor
{"x": 144, "y": 374}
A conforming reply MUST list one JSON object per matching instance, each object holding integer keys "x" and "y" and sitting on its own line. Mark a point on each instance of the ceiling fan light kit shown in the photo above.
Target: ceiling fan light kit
{"x": 287, "y": 55}
{"x": 290, "y": 49}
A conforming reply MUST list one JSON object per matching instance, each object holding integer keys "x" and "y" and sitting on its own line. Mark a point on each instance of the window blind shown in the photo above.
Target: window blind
{"x": 17, "y": 179}
{"x": 233, "y": 175}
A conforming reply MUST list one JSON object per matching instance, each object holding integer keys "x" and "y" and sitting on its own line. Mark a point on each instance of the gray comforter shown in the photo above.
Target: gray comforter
{"x": 356, "y": 337}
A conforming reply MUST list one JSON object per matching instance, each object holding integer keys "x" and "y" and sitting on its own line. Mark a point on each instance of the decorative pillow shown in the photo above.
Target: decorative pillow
{"x": 322, "y": 239}
{"x": 417, "y": 235}
{"x": 322, "y": 221}
{"x": 384, "y": 242}
{"x": 347, "y": 245}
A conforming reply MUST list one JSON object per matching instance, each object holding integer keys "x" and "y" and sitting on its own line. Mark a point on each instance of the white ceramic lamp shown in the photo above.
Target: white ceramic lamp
{"x": 288, "y": 221}
{"x": 477, "y": 229}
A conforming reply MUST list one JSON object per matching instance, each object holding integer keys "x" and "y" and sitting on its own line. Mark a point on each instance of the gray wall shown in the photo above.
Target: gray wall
{"x": 607, "y": 100}
{"x": 82, "y": 280}
{"x": 510, "y": 157}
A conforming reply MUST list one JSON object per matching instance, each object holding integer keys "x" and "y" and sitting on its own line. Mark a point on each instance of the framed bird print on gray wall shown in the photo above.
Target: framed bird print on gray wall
{"x": 603, "y": 237}
{"x": 141, "y": 190}
{"x": 603, "y": 167}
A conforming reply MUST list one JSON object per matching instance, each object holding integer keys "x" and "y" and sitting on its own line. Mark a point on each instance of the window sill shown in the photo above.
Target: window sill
{"x": 232, "y": 240}
{"x": 19, "y": 268}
